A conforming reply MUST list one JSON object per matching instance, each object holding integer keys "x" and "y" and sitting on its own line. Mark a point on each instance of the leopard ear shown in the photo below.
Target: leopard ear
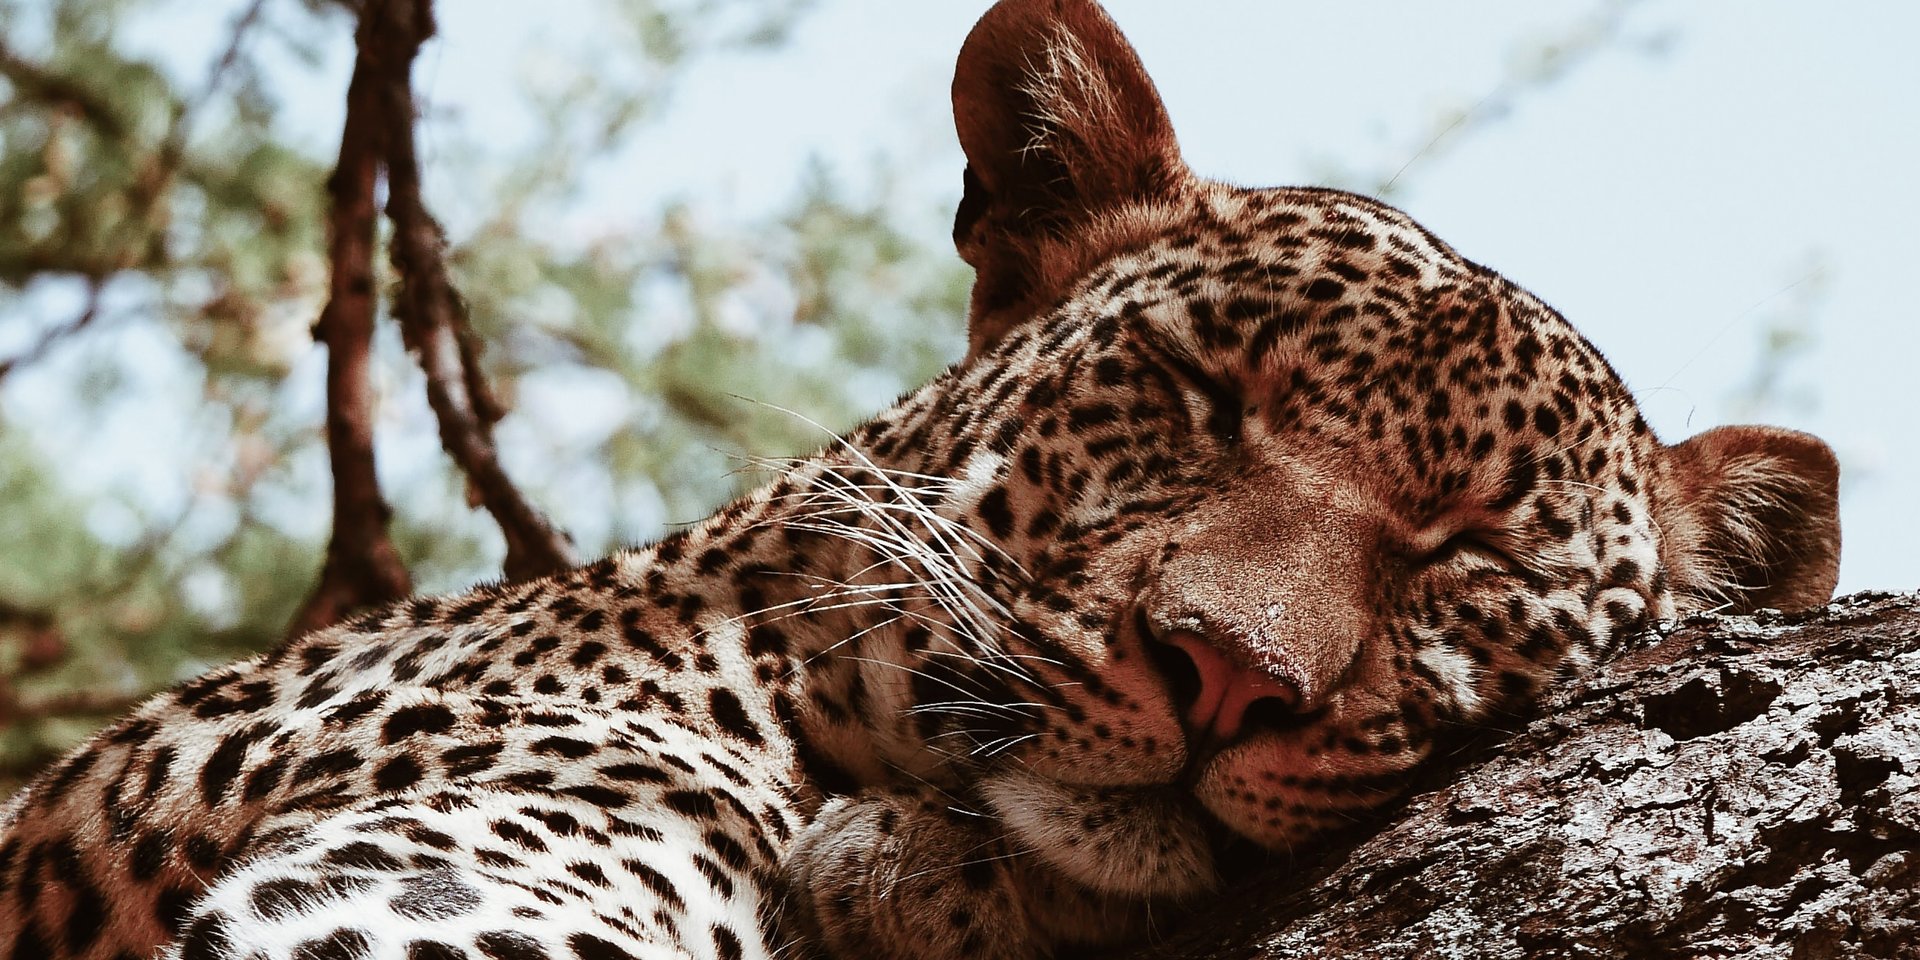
{"x": 1061, "y": 126}
{"x": 1751, "y": 519}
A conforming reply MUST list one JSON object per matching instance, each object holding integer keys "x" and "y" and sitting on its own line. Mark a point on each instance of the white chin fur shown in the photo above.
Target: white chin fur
{"x": 1139, "y": 843}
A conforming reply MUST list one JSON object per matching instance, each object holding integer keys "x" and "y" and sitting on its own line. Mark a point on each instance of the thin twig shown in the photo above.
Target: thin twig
{"x": 158, "y": 176}
{"x": 433, "y": 319}
{"x": 173, "y": 149}
{"x": 89, "y": 312}
{"x": 34, "y": 83}
{"x": 1582, "y": 42}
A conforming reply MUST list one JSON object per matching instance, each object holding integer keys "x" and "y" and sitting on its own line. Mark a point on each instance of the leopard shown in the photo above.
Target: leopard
{"x": 1240, "y": 501}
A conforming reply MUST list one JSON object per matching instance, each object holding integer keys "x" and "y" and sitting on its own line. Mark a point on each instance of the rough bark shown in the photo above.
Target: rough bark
{"x": 1748, "y": 787}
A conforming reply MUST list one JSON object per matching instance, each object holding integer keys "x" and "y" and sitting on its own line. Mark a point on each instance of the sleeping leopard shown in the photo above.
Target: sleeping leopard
{"x": 1238, "y": 501}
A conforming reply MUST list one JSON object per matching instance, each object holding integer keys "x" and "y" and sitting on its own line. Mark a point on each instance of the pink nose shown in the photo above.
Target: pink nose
{"x": 1226, "y": 689}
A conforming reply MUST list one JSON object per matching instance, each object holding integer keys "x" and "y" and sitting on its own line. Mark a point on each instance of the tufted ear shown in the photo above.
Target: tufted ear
{"x": 1061, "y": 126}
{"x": 1751, "y": 518}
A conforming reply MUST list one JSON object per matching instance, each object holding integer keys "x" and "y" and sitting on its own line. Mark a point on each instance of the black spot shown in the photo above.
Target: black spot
{"x": 471, "y": 759}
{"x": 341, "y": 944}
{"x": 977, "y": 873}
{"x": 995, "y": 510}
{"x": 150, "y": 854}
{"x": 283, "y": 897}
{"x": 68, "y": 774}
{"x": 429, "y": 837}
{"x": 420, "y": 718}
{"x": 171, "y": 907}
{"x": 202, "y": 852}
{"x": 726, "y": 946}
{"x": 251, "y": 696}
{"x": 691, "y": 803}
{"x": 31, "y": 944}
{"x": 356, "y": 708}
{"x": 657, "y": 883}
{"x": 634, "y": 773}
{"x": 264, "y": 778}
{"x": 363, "y": 855}
{"x": 466, "y": 612}
{"x": 515, "y": 833}
{"x": 86, "y": 918}
{"x": 727, "y": 849}
{"x": 223, "y": 765}
{"x": 434, "y": 950}
{"x": 559, "y": 823}
{"x": 763, "y": 639}
{"x": 586, "y": 946}
{"x": 567, "y": 747}
{"x": 1516, "y": 415}
{"x": 588, "y": 872}
{"x": 1323, "y": 289}
{"x": 1091, "y": 415}
{"x": 397, "y": 774}
{"x": 1519, "y": 481}
{"x": 503, "y": 945}
{"x": 716, "y": 877}
{"x": 602, "y": 797}
{"x": 331, "y": 763}
{"x": 732, "y": 717}
{"x": 1545, "y": 420}
{"x": 206, "y": 940}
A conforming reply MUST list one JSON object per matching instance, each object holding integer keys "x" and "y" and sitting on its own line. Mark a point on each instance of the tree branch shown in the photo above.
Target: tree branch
{"x": 89, "y": 312}
{"x": 34, "y": 83}
{"x": 432, "y": 317}
{"x": 1748, "y": 788}
{"x": 362, "y": 567}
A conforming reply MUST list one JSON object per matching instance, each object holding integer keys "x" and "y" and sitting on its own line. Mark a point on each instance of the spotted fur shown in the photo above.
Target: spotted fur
{"x": 915, "y": 698}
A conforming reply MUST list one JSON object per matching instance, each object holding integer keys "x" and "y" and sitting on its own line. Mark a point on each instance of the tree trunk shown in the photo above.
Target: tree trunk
{"x": 1749, "y": 787}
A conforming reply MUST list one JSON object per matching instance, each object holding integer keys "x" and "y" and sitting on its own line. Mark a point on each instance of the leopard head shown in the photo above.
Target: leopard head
{"x": 1279, "y": 487}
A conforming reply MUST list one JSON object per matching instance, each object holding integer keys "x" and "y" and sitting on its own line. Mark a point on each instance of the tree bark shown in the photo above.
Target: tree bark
{"x": 433, "y": 318}
{"x": 1748, "y": 787}
{"x": 362, "y": 568}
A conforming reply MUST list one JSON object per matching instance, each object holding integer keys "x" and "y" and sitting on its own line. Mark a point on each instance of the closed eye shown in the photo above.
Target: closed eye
{"x": 1224, "y": 415}
{"x": 1471, "y": 546}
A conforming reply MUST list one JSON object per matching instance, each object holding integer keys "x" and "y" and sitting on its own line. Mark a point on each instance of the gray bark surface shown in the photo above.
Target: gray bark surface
{"x": 1746, "y": 787}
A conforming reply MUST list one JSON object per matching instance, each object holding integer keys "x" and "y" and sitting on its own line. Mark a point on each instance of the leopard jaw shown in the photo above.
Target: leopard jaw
{"x": 1140, "y": 842}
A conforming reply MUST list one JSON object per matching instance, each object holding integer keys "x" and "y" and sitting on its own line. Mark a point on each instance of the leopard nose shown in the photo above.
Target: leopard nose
{"x": 1214, "y": 693}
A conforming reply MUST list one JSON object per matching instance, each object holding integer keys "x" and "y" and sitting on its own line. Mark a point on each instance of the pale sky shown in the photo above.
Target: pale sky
{"x": 1728, "y": 162}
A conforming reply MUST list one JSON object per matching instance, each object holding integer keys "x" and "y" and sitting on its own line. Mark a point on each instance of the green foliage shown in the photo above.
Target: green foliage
{"x": 187, "y": 233}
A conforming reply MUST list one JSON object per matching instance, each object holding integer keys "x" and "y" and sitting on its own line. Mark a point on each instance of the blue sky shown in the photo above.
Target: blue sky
{"x": 1723, "y": 167}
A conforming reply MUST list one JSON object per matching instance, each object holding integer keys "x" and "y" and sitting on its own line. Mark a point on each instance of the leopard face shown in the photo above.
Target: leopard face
{"x": 1276, "y": 488}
